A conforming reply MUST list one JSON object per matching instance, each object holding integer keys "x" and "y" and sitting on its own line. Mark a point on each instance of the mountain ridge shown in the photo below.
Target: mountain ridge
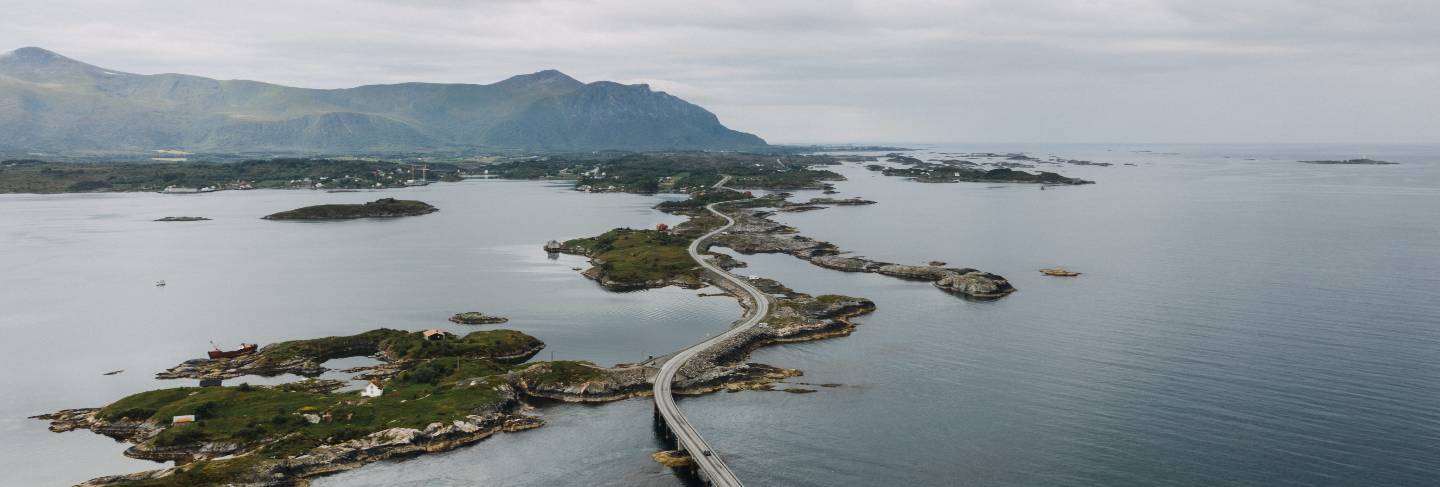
{"x": 52, "y": 102}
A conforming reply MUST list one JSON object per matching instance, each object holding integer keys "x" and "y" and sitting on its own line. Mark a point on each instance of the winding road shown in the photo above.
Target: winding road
{"x": 712, "y": 467}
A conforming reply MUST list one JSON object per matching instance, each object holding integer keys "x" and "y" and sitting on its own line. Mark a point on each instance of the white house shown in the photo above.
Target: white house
{"x": 372, "y": 390}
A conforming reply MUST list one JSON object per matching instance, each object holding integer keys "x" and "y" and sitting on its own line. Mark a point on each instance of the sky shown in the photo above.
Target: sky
{"x": 834, "y": 71}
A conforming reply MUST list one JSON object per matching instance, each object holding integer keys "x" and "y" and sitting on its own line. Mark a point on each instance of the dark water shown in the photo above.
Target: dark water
{"x": 1239, "y": 322}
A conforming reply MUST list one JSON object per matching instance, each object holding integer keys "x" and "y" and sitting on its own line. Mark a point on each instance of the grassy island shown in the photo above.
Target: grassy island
{"x": 437, "y": 392}
{"x": 624, "y": 258}
{"x": 381, "y": 208}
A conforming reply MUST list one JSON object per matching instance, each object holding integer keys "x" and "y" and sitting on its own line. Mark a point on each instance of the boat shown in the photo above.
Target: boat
{"x": 245, "y": 349}
{"x": 1058, "y": 272}
{"x": 160, "y": 283}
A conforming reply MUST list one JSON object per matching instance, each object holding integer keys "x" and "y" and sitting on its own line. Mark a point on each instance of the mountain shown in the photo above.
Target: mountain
{"x": 51, "y": 102}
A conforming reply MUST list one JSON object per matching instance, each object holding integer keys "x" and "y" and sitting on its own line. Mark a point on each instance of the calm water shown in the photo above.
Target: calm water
{"x": 78, "y": 300}
{"x": 1239, "y": 322}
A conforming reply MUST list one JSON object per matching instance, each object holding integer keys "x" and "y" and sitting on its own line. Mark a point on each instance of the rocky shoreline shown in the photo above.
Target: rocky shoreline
{"x": 247, "y": 468}
{"x": 755, "y": 233}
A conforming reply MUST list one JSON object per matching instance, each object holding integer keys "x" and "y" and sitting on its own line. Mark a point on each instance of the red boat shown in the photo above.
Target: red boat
{"x": 245, "y": 349}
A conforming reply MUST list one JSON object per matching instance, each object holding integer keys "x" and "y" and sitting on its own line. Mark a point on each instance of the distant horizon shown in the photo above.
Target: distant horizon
{"x": 1228, "y": 72}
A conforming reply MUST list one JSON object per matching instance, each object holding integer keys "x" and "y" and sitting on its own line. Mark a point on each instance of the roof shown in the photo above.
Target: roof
{"x": 432, "y": 332}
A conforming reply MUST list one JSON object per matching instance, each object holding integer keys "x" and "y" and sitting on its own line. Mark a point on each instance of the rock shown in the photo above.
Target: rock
{"x": 1058, "y": 272}
{"x": 381, "y": 208}
{"x": 982, "y": 285}
{"x": 476, "y": 318}
{"x": 183, "y": 219}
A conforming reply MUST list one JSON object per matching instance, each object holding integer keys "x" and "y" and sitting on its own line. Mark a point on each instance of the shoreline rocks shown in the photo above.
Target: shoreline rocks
{"x": 754, "y": 233}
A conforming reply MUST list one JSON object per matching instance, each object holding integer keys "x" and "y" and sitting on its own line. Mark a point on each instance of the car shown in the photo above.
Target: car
{"x": 707, "y": 453}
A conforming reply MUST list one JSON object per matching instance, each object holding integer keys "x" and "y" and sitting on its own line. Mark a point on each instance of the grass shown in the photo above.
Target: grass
{"x": 569, "y": 372}
{"x": 438, "y": 390}
{"x": 634, "y": 256}
{"x": 326, "y": 348}
{"x": 480, "y": 344}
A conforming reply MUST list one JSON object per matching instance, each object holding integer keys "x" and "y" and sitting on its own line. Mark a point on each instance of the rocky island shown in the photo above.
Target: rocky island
{"x": 1354, "y": 162}
{"x": 381, "y": 208}
{"x": 434, "y": 393}
{"x": 477, "y": 318}
{"x": 943, "y": 173}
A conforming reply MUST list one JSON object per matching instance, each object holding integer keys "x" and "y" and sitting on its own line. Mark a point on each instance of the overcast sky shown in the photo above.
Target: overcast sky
{"x": 837, "y": 71}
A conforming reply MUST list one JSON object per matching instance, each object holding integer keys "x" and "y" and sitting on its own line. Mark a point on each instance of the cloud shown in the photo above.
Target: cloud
{"x": 983, "y": 70}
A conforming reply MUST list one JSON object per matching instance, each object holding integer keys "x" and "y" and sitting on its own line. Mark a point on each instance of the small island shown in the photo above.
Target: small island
{"x": 183, "y": 219}
{"x": 1354, "y": 162}
{"x": 381, "y": 208}
{"x": 477, "y": 318}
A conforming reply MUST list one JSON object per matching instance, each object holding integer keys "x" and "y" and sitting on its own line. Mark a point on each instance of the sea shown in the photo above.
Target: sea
{"x": 1241, "y": 319}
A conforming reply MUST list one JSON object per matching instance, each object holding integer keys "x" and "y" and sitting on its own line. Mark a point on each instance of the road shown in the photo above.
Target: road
{"x": 709, "y": 462}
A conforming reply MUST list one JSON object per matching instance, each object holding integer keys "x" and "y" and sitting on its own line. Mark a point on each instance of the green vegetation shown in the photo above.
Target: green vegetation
{"x": 322, "y": 349}
{"x": 700, "y": 199}
{"x": 476, "y": 318}
{"x": 383, "y": 207}
{"x": 675, "y": 171}
{"x": 568, "y": 372}
{"x": 638, "y": 256}
{"x": 404, "y": 345}
{"x": 489, "y": 344}
{"x": 444, "y": 378}
{"x": 33, "y": 176}
{"x": 437, "y": 390}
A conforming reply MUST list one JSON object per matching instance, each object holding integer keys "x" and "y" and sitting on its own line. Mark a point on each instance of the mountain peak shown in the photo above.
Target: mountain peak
{"x": 35, "y": 55}
{"x": 549, "y": 76}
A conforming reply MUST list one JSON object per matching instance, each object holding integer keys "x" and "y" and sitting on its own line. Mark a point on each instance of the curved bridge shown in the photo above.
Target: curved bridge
{"x": 712, "y": 468}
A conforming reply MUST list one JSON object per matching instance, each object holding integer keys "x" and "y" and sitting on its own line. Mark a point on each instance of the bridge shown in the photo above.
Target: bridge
{"x": 710, "y": 465}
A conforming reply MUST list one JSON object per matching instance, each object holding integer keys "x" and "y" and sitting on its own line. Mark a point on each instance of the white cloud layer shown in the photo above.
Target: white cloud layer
{"x": 822, "y": 71}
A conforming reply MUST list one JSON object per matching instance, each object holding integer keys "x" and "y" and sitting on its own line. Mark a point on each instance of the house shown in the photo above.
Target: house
{"x": 186, "y": 419}
{"x": 434, "y": 334}
{"x": 372, "y": 389}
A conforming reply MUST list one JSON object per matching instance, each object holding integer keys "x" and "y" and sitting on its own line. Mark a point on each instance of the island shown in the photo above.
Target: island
{"x": 381, "y": 208}
{"x": 434, "y": 392}
{"x": 1354, "y": 162}
{"x": 477, "y": 318}
{"x": 947, "y": 173}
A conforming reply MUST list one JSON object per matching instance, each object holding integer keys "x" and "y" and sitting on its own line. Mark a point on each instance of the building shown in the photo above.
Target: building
{"x": 434, "y": 334}
{"x": 372, "y": 389}
{"x": 186, "y": 419}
